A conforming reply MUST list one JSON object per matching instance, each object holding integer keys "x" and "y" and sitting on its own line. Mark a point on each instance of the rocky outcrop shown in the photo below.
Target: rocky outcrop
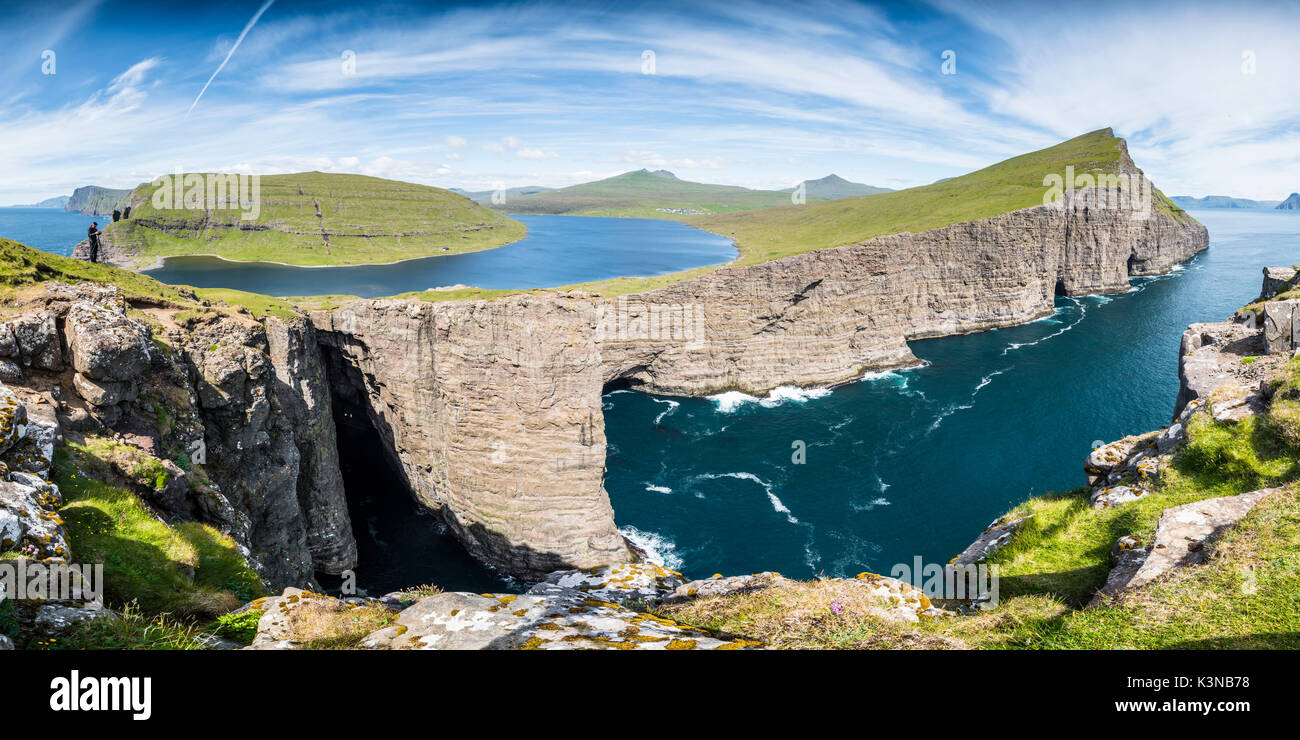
{"x": 492, "y": 408}
{"x": 1180, "y": 541}
{"x": 234, "y": 412}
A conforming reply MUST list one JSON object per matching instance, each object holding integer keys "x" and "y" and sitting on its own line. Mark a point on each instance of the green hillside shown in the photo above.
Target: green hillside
{"x": 645, "y": 194}
{"x": 314, "y": 218}
{"x": 1006, "y": 186}
{"x": 93, "y": 200}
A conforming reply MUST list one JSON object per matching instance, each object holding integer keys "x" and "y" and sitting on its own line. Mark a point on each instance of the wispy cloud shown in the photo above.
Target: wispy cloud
{"x": 251, "y": 22}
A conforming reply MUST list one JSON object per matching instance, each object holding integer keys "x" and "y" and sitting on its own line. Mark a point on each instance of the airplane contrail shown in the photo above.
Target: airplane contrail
{"x": 252, "y": 22}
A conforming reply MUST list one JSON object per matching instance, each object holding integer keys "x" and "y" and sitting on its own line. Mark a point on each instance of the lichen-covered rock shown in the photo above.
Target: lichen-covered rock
{"x": 55, "y": 618}
{"x": 9, "y": 372}
{"x": 720, "y": 586}
{"x": 13, "y": 419}
{"x": 548, "y": 617}
{"x": 37, "y": 335}
{"x": 293, "y": 615}
{"x": 1109, "y": 497}
{"x": 105, "y": 344}
{"x": 29, "y": 519}
{"x": 622, "y": 584}
{"x": 990, "y": 541}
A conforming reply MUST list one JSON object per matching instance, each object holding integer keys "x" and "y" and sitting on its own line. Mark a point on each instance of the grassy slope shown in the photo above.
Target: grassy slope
{"x": 362, "y": 220}
{"x": 640, "y": 193}
{"x": 1006, "y": 186}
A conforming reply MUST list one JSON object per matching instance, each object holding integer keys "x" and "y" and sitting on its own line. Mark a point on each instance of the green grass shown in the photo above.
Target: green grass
{"x": 360, "y": 220}
{"x": 128, "y": 630}
{"x": 1006, "y": 186}
{"x": 257, "y": 304}
{"x": 640, "y": 193}
{"x": 147, "y": 562}
{"x": 21, "y": 266}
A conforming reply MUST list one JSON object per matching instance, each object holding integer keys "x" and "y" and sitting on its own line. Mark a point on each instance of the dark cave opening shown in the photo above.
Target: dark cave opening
{"x": 1060, "y": 288}
{"x": 1132, "y": 265}
{"x": 400, "y": 543}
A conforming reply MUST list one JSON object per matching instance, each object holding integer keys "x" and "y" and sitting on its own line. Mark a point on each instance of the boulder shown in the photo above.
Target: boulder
{"x": 1180, "y": 539}
{"x": 8, "y": 343}
{"x": 1281, "y": 326}
{"x": 719, "y": 586}
{"x": 37, "y": 336}
{"x": 10, "y": 372}
{"x": 105, "y": 344}
{"x": 103, "y": 392}
{"x": 29, "y": 519}
{"x": 1105, "y": 498}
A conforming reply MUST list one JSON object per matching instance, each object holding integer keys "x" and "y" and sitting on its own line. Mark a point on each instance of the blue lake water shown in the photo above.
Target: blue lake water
{"x": 918, "y": 462}
{"x": 559, "y": 250}
{"x": 48, "y": 229}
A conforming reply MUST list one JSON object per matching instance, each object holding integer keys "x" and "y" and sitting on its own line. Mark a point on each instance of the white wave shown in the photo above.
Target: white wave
{"x": 658, "y": 489}
{"x": 1083, "y": 311}
{"x": 777, "y": 506}
{"x": 731, "y": 401}
{"x": 657, "y": 548}
{"x": 873, "y": 503}
{"x": 672, "y": 406}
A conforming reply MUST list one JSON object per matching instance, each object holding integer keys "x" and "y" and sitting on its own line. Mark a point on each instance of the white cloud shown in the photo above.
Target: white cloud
{"x": 457, "y": 142}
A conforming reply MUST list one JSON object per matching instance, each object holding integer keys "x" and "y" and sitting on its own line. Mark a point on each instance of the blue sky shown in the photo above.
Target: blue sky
{"x": 488, "y": 95}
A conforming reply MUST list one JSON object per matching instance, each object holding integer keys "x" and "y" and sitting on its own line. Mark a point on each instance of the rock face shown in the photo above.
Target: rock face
{"x": 1276, "y": 278}
{"x": 248, "y": 401}
{"x": 493, "y": 408}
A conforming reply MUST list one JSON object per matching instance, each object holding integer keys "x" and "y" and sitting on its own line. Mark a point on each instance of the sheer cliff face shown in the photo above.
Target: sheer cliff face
{"x": 493, "y": 408}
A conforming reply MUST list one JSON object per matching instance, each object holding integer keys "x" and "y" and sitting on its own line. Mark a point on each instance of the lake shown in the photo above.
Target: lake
{"x": 559, "y": 250}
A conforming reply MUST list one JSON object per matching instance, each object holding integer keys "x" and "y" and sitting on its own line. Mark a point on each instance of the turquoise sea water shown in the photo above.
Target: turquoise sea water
{"x": 918, "y": 462}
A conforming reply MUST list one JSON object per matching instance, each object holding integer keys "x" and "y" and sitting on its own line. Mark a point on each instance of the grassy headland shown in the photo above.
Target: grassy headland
{"x": 315, "y": 218}
{"x": 1006, "y": 186}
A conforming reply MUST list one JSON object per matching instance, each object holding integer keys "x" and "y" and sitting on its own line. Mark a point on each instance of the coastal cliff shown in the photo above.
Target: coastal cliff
{"x": 492, "y": 408}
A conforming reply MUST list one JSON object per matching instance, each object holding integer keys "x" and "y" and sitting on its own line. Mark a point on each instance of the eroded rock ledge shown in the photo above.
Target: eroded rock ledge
{"x": 493, "y": 408}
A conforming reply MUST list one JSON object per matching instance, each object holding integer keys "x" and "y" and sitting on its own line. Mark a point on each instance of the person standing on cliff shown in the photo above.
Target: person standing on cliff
{"x": 93, "y": 234}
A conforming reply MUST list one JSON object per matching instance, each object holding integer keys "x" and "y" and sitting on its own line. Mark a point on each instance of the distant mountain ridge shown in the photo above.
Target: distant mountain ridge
{"x": 645, "y": 193}
{"x": 834, "y": 187}
{"x": 484, "y": 197}
{"x": 1220, "y": 201}
{"x": 1292, "y": 203}
{"x": 57, "y": 201}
